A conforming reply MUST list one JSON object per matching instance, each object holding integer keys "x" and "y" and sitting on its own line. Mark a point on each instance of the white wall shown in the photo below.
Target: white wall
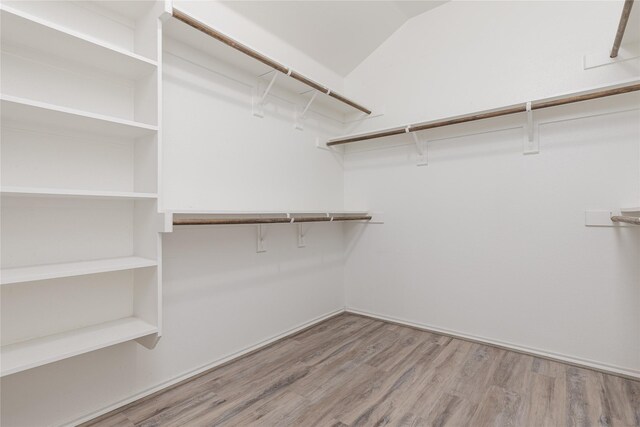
{"x": 218, "y": 156}
{"x": 484, "y": 241}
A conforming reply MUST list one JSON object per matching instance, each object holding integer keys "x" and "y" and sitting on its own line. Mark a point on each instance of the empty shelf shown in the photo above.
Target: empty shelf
{"x": 70, "y": 269}
{"x": 23, "y": 30}
{"x": 40, "y": 351}
{"x": 630, "y": 209}
{"x": 69, "y": 193}
{"x": 22, "y": 110}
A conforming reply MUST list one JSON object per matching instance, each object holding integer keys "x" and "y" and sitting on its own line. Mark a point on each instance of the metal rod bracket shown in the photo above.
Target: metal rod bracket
{"x": 260, "y": 238}
{"x": 299, "y": 116}
{"x": 259, "y": 100}
{"x": 301, "y": 236}
{"x": 421, "y": 147}
{"x": 531, "y": 142}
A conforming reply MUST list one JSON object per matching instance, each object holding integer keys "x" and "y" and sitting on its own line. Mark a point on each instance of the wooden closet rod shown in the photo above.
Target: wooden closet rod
{"x": 279, "y": 220}
{"x": 189, "y": 20}
{"x": 626, "y": 219}
{"x": 622, "y": 25}
{"x": 520, "y": 108}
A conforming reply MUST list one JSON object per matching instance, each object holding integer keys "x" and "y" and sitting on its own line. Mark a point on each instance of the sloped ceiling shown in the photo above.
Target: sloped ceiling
{"x": 339, "y": 34}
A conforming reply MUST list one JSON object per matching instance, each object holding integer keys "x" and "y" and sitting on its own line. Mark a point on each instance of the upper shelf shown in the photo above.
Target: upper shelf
{"x": 23, "y": 30}
{"x": 53, "y": 116}
{"x": 72, "y": 193}
{"x": 630, "y": 209}
{"x": 217, "y": 45}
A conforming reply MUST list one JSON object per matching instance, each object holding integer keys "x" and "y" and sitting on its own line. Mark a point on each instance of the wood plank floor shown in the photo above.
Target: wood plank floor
{"x": 355, "y": 371}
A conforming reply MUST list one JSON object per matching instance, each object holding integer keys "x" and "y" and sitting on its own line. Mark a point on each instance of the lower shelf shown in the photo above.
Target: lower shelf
{"x": 40, "y": 351}
{"x": 70, "y": 269}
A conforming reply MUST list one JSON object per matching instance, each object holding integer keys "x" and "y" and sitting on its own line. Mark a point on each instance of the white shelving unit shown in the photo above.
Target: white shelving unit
{"x": 81, "y": 260}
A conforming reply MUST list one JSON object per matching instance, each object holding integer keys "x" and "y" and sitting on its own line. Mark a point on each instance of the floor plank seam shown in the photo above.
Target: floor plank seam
{"x": 585, "y": 365}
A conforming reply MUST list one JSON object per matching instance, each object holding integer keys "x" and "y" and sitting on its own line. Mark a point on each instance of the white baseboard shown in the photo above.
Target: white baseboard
{"x": 585, "y": 363}
{"x": 202, "y": 369}
{"x": 603, "y": 367}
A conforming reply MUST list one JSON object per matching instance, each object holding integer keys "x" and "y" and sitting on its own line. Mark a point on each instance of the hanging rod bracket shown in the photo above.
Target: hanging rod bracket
{"x": 301, "y": 235}
{"x": 421, "y": 147}
{"x": 260, "y": 238}
{"x": 531, "y": 141}
{"x": 299, "y": 116}
{"x": 259, "y": 99}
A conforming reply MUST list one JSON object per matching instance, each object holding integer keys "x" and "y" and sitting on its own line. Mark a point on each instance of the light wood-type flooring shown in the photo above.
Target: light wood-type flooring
{"x": 356, "y": 371}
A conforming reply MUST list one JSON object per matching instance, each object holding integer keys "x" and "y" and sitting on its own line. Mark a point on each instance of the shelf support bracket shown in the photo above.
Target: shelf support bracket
{"x": 149, "y": 341}
{"x": 260, "y": 244}
{"x": 259, "y": 100}
{"x": 301, "y": 236}
{"x": 299, "y": 117}
{"x": 531, "y": 142}
{"x": 421, "y": 147}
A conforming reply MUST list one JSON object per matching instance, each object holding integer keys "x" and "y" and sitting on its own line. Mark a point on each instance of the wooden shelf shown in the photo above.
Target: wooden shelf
{"x": 23, "y": 30}
{"x": 22, "y": 110}
{"x": 41, "y": 351}
{"x": 70, "y": 269}
{"x": 69, "y": 193}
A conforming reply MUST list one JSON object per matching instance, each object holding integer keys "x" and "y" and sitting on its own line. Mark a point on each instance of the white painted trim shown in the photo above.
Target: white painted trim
{"x": 204, "y": 368}
{"x": 586, "y": 363}
{"x": 631, "y": 373}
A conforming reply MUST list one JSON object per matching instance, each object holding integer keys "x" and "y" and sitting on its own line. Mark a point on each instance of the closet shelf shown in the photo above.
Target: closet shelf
{"x": 70, "y": 269}
{"x": 630, "y": 209}
{"x": 191, "y": 32}
{"x": 69, "y": 193}
{"x": 20, "y": 110}
{"x": 41, "y": 351}
{"x": 25, "y": 31}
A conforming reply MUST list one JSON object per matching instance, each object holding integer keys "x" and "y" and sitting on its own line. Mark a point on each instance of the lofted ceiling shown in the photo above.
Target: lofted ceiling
{"x": 338, "y": 34}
